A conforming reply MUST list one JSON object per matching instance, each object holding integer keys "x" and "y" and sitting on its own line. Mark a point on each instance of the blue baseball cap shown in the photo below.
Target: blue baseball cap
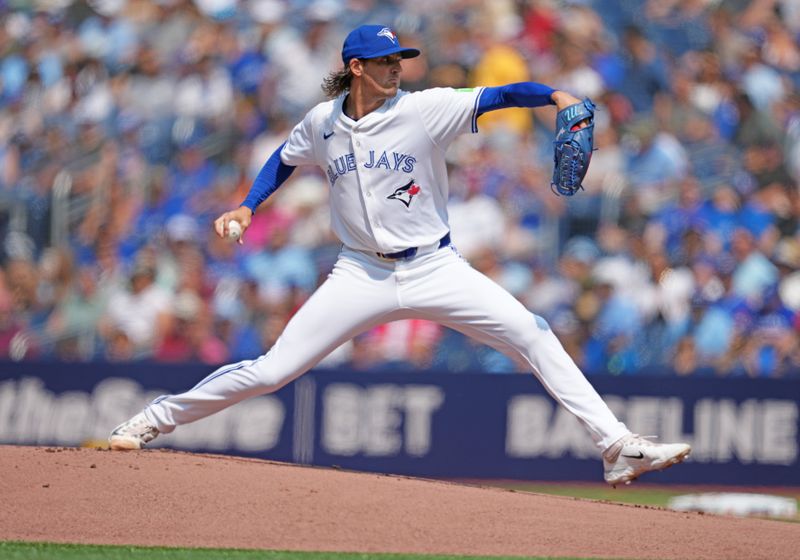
{"x": 372, "y": 41}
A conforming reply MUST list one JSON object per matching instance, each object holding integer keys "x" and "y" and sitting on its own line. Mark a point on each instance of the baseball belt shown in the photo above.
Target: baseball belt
{"x": 411, "y": 252}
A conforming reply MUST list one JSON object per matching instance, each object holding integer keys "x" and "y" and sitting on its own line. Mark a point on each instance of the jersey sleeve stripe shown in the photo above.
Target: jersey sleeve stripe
{"x": 475, "y": 111}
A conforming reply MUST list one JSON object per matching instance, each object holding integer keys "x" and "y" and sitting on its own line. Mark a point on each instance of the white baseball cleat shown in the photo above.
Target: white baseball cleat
{"x": 133, "y": 434}
{"x": 635, "y": 455}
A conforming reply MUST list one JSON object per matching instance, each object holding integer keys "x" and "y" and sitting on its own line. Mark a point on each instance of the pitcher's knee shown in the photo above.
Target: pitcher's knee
{"x": 271, "y": 381}
{"x": 541, "y": 322}
{"x": 523, "y": 333}
{"x": 272, "y": 375}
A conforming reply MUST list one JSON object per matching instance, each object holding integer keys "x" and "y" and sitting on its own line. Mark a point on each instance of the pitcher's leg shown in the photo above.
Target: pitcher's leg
{"x": 350, "y": 301}
{"x": 541, "y": 350}
{"x": 485, "y": 311}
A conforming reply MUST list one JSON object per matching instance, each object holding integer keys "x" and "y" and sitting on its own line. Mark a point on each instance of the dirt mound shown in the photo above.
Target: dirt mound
{"x": 164, "y": 498}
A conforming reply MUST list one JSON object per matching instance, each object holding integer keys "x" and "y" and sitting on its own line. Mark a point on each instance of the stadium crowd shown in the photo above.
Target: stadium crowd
{"x": 126, "y": 126}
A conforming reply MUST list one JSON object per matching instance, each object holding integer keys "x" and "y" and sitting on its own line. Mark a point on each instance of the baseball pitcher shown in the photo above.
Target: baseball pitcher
{"x": 382, "y": 150}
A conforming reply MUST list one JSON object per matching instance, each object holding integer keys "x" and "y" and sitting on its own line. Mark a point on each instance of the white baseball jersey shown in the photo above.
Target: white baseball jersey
{"x": 386, "y": 171}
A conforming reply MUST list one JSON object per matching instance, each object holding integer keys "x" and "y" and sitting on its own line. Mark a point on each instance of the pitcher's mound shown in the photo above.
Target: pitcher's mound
{"x": 164, "y": 498}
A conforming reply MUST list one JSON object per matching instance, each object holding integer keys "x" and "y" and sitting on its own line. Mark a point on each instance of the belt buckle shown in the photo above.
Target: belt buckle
{"x": 399, "y": 255}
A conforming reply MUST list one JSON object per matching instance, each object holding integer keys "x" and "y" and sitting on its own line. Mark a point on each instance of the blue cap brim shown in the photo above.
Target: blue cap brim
{"x": 404, "y": 52}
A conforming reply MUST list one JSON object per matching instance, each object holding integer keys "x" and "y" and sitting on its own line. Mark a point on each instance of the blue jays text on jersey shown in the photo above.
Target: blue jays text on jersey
{"x": 391, "y": 161}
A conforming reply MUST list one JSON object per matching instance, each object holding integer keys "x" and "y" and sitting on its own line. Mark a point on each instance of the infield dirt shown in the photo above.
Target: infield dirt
{"x": 165, "y": 498}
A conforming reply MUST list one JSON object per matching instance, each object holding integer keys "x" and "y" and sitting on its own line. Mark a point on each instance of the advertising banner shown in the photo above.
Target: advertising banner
{"x": 476, "y": 426}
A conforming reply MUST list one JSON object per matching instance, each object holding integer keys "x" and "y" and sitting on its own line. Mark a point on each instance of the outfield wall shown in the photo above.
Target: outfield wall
{"x": 743, "y": 432}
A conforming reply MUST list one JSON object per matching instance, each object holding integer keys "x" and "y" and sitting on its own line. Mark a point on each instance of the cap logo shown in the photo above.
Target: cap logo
{"x": 388, "y": 33}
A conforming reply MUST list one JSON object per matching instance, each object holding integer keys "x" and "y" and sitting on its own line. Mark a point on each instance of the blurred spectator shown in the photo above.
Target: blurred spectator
{"x": 72, "y": 324}
{"x": 138, "y": 315}
{"x": 280, "y": 267}
{"x": 686, "y": 361}
{"x": 754, "y": 274}
{"x": 655, "y": 158}
{"x": 405, "y": 344}
{"x": 755, "y": 127}
{"x": 500, "y": 63}
{"x": 11, "y": 328}
{"x": 681, "y": 26}
{"x": 787, "y": 258}
{"x": 669, "y": 225}
{"x": 190, "y": 336}
{"x": 771, "y": 348}
{"x": 719, "y": 217}
{"x": 762, "y": 84}
{"x": 476, "y": 220}
{"x": 617, "y": 322}
{"x": 300, "y": 56}
{"x": 646, "y": 70}
{"x": 576, "y": 74}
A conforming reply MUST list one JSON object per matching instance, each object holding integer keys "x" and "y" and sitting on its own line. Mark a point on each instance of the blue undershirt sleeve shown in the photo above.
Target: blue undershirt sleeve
{"x": 271, "y": 176}
{"x": 521, "y": 94}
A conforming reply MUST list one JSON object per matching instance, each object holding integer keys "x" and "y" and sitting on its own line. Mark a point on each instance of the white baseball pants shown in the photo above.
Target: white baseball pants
{"x": 363, "y": 291}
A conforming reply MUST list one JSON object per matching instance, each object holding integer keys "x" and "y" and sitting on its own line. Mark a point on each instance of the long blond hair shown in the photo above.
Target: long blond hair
{"x": 337, "y": 82}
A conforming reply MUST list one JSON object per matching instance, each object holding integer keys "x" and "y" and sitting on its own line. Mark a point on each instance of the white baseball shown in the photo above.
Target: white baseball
{"x": 234, "y": 230}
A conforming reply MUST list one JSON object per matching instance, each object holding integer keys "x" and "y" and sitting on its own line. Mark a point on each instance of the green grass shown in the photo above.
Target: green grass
{"x": 52, "y": 551}
{"x": 641, "y": 495}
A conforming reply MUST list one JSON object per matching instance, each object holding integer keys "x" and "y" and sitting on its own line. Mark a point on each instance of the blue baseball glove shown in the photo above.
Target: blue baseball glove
{"x": 573, "y": 147}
